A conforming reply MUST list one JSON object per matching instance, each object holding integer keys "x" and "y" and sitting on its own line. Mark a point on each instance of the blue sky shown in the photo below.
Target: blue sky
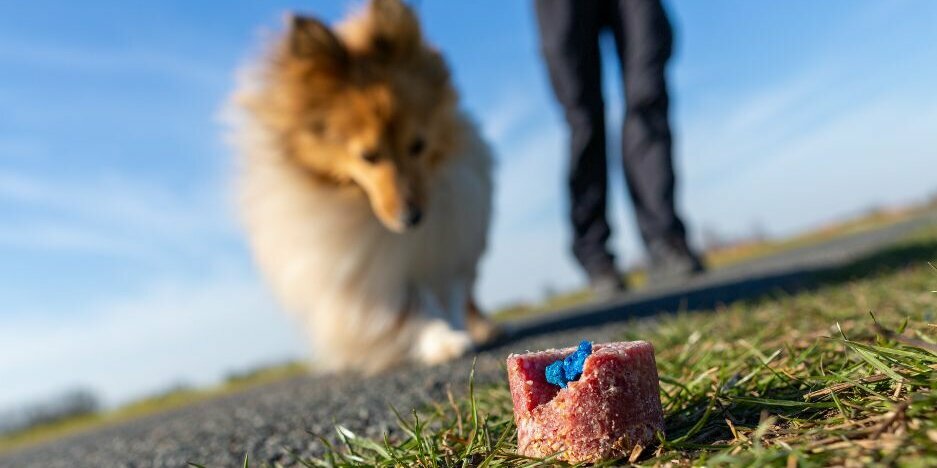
{"x": 121, "y": 264}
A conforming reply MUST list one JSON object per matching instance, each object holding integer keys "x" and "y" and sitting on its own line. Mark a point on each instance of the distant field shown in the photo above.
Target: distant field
{"x": 841, "y": 375}
{"x": 727, "y": 256}
{"x": 148, "y": 406}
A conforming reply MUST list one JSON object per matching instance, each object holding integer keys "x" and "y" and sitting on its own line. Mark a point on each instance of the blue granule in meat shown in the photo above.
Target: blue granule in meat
{"x": 555, "y": 374}
{"x": 567, "y": 370}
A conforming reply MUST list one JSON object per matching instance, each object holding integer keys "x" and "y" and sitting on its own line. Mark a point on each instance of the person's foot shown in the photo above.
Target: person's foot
{"x": 672, "y": 260}
{"x": 606, "y": 285}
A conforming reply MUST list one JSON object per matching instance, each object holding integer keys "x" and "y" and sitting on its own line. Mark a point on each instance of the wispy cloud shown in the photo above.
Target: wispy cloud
{"x": 50, "y": 237}
{"x": 134, "y": 343}
{"x": 724, "y": 136}
{"x": 193, "y": 311}
{"x": 114, "y": 214}
{"x": 842, "y": 164}
{"x": 115, "y": 61}
{"x": 512, "y": 109}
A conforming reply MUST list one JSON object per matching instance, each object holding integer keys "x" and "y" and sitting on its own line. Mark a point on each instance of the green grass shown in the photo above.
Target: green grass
{"x": 843, "y": 374}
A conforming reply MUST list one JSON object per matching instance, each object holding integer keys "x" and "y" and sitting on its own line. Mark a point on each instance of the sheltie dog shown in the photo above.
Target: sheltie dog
{"x": 365, "y": 191}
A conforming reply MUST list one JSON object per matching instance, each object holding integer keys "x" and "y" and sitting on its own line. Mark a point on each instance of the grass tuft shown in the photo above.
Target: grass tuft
{"x": 809, "y": 379}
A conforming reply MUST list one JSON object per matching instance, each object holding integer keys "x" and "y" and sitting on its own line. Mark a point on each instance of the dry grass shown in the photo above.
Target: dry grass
{"x": 803, "y": 380}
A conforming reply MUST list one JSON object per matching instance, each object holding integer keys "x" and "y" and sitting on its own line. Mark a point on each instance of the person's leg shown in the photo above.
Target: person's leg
{"x": 569, "y": 38}
{"x": 644, "y": 39}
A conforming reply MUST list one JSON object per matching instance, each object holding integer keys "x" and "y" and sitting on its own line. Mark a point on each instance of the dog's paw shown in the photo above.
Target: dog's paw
{"x": 439, "y": 343}
{"x": 483, "y": 330}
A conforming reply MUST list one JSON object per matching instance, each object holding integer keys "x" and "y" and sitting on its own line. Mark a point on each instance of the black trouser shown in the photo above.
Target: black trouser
{"x": 569, "y": 35}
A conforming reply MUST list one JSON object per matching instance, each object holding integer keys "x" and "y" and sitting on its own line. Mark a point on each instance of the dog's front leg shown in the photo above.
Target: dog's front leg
{"x": 456, "y": 302}
{"x": 439, "y": 338}
{"x": 465, "y": 315}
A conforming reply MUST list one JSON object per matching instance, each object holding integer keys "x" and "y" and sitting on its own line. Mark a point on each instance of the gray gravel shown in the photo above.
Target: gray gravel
{"x": 271, "y": 421}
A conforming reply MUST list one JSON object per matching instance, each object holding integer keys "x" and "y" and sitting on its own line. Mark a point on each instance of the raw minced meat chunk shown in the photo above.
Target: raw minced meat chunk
{"x": 613, "y": 406}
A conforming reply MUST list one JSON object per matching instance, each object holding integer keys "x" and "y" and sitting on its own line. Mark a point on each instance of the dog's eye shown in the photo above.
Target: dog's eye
{"x": 417, "y": 147}
{"x": 370, "y": 157}
{"x": 317, "y": 127}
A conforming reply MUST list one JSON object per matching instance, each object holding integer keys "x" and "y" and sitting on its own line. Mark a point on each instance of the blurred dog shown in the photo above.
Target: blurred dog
{"x": 366, "y": 193}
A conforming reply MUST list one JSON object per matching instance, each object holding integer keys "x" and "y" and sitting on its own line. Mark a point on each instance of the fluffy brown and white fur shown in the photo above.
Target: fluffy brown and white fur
{"x": 366, "y": 193}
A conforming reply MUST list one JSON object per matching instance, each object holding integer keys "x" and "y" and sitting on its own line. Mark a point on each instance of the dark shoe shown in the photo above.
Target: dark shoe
{"x": 606, "y": 285}
{"x": 672, "y": 260}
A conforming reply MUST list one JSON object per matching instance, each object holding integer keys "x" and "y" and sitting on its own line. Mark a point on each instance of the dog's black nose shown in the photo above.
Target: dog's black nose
{"x": 413, "y": 216}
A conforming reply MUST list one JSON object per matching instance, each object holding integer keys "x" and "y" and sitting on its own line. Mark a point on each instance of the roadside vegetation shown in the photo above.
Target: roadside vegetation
{"x": 844, "y": 374}
{"x": 171, "y": 399}
{"x": 731, "y": 253}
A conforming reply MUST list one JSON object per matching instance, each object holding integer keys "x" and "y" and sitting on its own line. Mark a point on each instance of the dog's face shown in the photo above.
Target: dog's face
{"x": 371, "y": 105}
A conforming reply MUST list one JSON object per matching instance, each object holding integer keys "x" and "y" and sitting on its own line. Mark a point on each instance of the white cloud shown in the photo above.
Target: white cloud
{"x": 198, "y": 315}
{"x": 113, "y": 61}
{"x": 877, "y": 153}
{"x": 827, "y": 140}
{"x": 503, "y": 119}
{"x": 48, "y": 237}
{"x": 113, "y": 214}
{"x": 771, "y": 104}
{"x": 133, "y": 344}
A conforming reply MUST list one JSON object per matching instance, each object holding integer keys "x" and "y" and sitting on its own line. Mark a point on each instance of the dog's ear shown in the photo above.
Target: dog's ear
{"x": 311, "y": 40}
{"x": 394, "y": 30}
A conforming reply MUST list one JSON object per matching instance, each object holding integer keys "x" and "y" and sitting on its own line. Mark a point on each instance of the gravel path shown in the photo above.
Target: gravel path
{"x": 269, "y": 421}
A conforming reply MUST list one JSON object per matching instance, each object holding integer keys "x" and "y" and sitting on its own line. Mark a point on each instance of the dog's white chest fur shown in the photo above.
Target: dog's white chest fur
{"x": 367, "y": 296}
